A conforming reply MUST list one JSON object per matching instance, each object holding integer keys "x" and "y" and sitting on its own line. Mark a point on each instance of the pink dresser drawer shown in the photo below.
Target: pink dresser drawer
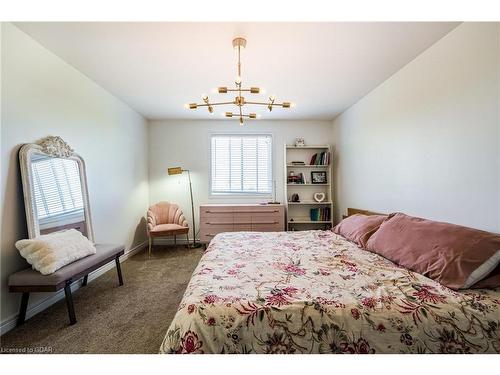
{"x": 222, "y": 210}
{"x": 242, "y": 227}
{"x": 267, "y": 227}
{"x": 209, "y": 231}
{"x": 216, "y": 219}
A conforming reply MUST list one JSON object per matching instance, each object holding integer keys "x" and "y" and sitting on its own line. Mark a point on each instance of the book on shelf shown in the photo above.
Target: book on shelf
{"x": 298, "y": 179}
{"x": 320, "y": 158}
{"x": 320, "y": 214}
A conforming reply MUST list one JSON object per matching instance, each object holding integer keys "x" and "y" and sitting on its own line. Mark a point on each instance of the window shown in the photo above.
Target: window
{"x": 241, "y": 164}
{"x": 56, "y": 183}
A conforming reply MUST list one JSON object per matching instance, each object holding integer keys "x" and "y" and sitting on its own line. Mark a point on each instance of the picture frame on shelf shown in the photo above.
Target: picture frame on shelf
{"x": 318, "y": 177}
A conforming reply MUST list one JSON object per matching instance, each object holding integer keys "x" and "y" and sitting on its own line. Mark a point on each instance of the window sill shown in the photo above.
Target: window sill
{"x": 237, "y": 196}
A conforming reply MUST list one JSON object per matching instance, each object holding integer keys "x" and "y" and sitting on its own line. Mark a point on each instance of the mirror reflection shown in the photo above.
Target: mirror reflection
{"x": 58, "y": 197}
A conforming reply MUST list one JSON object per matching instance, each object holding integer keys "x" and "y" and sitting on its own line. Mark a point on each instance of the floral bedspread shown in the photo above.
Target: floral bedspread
{"x": 314, "y": 292}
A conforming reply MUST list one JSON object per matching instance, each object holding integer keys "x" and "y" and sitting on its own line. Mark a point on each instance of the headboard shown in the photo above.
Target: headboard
{"x": 354, "y": 211}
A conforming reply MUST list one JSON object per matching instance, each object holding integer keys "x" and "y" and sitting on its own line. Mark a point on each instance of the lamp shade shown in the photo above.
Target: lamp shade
{"x": 174, "y": 170}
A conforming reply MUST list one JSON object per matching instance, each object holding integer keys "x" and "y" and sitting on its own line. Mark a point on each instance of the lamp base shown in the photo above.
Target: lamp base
{"x": 195, "y": 245}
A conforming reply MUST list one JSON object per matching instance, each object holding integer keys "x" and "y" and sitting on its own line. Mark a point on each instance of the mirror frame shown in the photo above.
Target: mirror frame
{"x": 53, "y": 147}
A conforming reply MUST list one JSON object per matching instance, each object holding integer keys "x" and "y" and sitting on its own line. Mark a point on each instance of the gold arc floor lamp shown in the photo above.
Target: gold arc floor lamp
{"x": 178, "y": 170}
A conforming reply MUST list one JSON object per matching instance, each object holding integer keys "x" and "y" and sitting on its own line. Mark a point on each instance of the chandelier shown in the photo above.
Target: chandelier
{"x": 239, "y": 101}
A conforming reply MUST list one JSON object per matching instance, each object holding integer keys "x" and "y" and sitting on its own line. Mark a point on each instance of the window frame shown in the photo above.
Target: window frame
{"x": 246, "y": 195}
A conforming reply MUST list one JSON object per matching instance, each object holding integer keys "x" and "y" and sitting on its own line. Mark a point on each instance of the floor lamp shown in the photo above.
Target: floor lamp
{"x": 179, "y": 170}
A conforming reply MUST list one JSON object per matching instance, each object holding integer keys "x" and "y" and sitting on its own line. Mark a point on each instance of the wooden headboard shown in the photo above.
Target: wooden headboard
{"x": 354, "y": 211}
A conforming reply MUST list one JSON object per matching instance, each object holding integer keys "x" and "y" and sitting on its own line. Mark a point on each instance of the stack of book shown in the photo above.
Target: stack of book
{"x": 321, "y": 158}
{"x": 297, "y": 179}
{"x": 299, "y": 163}
{"x": 320, "y": 214}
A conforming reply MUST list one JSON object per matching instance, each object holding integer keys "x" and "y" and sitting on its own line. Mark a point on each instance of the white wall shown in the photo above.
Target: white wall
{"x": 426, "y": 141}
{"x": 42, "y": 95}
{"x": 186, "y": 144}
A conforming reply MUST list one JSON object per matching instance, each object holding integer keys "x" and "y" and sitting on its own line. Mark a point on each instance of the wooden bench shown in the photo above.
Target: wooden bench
{"x": 30, "y": 280}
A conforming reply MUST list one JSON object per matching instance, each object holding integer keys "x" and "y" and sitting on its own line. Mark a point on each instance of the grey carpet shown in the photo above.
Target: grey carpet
{"x": 132, "y": 318}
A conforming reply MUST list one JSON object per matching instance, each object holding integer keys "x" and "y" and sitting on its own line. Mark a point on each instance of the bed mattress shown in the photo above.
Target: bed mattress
{"x": 315, "y": 292}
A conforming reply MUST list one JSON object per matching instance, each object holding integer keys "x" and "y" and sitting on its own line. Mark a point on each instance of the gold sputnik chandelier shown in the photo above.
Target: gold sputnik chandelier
{"x": 239, "y": 100}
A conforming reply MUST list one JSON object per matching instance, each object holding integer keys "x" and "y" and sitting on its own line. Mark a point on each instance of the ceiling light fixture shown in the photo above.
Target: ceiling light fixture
{"x": 239, "y": 101}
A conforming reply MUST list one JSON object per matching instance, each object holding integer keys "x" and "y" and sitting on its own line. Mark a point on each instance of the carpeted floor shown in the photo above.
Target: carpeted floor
{"x": 132, "y": 318}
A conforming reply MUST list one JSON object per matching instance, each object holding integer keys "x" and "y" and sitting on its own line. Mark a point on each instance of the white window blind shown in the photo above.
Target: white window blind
{"x": 57, "y": 187}
{"x": 241, "y": 164}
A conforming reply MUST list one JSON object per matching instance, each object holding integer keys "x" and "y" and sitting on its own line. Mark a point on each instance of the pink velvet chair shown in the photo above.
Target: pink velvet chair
{"x": 166, "y": 219}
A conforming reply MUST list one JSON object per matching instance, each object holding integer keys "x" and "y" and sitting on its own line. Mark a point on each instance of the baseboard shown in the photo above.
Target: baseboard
{"x": 10, "y": 322}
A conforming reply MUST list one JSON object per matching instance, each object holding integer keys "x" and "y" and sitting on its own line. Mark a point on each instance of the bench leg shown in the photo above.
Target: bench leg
{"x": 85, "y": 279}
{"x": 24, "y": 306}
{"x": 69, "y": 303}
{"x": 119, "y": 270}
{"x": 150, "y": 244}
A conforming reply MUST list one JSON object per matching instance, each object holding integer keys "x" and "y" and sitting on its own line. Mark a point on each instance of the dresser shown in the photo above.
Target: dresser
{"x": 218, "y": 218}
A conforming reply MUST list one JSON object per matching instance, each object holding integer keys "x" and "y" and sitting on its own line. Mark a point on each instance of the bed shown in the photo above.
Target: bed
{"x": 315, "y": 292}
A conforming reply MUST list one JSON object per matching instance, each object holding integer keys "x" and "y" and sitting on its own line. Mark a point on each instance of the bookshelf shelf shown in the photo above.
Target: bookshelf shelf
{"x": 309, "y": 203}
{"x": 302, "y": 212}
{"x": 308, "y": 184}
{"x": 314, "y": 147}
{"x": 307, "y": 166}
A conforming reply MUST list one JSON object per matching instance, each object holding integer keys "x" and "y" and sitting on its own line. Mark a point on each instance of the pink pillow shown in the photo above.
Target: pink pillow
{"x": 358, "y": 228}
{"x": 457, "y": 257}
{"x": 490, "y": 281}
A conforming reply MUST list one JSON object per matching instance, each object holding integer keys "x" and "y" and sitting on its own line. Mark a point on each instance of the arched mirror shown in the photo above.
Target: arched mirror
{"x": 55, "y": 188}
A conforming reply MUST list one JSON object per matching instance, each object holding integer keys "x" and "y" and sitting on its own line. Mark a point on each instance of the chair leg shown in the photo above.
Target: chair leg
{"x": 187, "y": 240}
{"x": 69, "y": 303}
{"x": 119, "y": 270}
{"x": 22, "y": 311}
{"x": 175, "y": 240}
{"x": 85, "y": 279}
{"x": 150, "y": 243}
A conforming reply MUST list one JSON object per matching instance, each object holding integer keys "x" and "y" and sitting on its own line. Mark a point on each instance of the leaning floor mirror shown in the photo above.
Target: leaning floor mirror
{"x": 54, "y": 188}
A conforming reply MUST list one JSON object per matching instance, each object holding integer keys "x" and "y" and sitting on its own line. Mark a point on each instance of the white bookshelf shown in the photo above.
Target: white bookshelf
{"x": 298, "y": 213}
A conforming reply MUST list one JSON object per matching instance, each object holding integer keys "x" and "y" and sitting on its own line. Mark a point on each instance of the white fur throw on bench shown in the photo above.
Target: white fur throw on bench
{"x": 49, "y": 252}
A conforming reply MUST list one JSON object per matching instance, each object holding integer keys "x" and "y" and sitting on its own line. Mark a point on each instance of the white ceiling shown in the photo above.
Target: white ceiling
{"x": 158, "y": 67}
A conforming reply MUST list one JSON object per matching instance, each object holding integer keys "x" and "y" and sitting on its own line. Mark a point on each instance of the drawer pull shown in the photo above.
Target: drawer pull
{"x": 218, "y": 212}
{"x": 265, "y": 222}
{"x": 256, "y": 212}
{"x": 222, "y": 223}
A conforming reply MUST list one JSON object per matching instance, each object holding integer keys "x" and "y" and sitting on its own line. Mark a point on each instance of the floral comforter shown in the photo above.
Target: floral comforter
{"x": 314, "y": 292}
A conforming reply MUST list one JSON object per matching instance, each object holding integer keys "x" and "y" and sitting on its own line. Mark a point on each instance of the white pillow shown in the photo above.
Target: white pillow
{"x": 49, "y": 252}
